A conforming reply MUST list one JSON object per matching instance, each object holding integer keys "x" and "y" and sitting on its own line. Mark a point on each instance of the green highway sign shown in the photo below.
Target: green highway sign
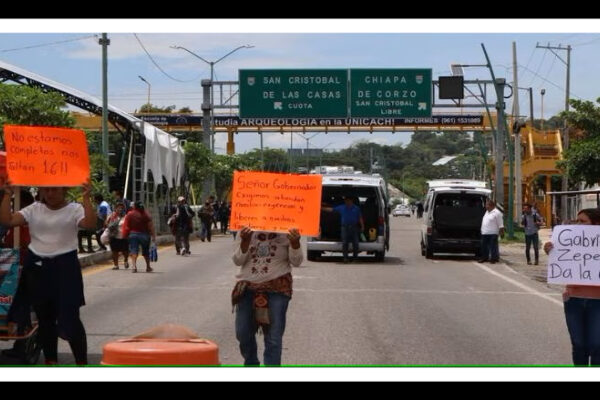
{"x": 309, "y": 93}
{"x": 335, "y": 93}
{"x": 380, "y": 93}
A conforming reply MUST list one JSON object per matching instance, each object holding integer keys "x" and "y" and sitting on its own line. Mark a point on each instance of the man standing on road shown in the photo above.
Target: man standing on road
{"x": 531, "y": 221}
{"x": 351, "y": 219}
{"x": 492, "y": 225}
{"x": 206, "y": 215}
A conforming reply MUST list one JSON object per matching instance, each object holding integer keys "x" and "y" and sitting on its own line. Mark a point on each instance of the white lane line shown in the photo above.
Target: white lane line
{"x": 520, "y": 285}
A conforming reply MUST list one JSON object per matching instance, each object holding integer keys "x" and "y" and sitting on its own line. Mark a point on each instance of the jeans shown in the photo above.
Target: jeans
{"x": 349, "y": 233}
{"x": 182, "y": 240}
{"x": 535, "y": 240}
{"x": 206, "y": 231}
{"x": 245, "y": 328}
{"x": 583, "y": 321}
{"x": 489, "y": 244}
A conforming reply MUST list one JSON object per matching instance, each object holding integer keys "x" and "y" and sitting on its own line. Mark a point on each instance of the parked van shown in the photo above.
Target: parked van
{"x": 452, "y": 216}
{"x": 370, "y": 194}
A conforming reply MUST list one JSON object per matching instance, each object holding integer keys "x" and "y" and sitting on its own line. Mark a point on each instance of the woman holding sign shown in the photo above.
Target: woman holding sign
{"x": 264, "y": 290}
{"x": 582, "y": 308}
{"x": 51, "y": 268}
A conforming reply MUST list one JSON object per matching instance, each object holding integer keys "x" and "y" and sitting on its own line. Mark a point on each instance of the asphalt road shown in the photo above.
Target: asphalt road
{"x": 404, "y": 311}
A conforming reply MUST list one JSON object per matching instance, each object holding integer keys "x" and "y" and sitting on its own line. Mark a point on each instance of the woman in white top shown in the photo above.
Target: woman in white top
{"x": 51, "y": 269}
{"x": 264, "y": 290}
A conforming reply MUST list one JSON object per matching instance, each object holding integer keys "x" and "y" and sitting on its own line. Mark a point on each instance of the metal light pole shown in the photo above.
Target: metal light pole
{"x": 208, "y": 128}
{"x": 403, "y": 192}
{"x": 307, "y": 140}
{"x": 147, "y": 83}
{"x": 212, "y": 94}
{"x": 104, "y": 42}
{"x": 543, "y": 92}
{"x": 321, "y": 156}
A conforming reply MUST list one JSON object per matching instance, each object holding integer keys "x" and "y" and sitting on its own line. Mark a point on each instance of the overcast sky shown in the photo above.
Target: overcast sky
{"x": 74, "y": 58}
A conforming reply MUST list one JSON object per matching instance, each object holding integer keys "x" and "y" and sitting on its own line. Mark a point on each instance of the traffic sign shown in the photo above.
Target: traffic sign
{"x": 314, "y": 93}
{"x": 380, "y": 93}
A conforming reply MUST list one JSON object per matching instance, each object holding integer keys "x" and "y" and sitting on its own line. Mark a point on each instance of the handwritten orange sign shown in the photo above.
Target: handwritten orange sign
{"x": 46, "y": 156}
{"x": 276, "y": 202}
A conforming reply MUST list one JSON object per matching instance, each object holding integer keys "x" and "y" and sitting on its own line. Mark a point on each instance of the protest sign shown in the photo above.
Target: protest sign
{"x": 276, "y": 202}
{"x": 46, "y": 156}
{"x": 575, "y": 256}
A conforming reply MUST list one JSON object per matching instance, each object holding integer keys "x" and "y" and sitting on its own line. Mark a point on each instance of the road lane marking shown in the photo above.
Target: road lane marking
{"x": 520, "y": 285}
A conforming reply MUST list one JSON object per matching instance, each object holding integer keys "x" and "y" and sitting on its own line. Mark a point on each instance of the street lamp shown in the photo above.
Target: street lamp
{"x": 403, "y": 190}
{"x": 212, "y": 68}
{"x": 321, "y": 156}
{"x": 147, "y": 83}
{"x": 307, "y": 140}
{"x": 543, "y": 92}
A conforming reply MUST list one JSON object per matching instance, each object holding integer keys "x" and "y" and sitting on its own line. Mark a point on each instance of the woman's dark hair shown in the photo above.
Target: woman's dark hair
{"x": 139, "y": 205}
{"x": 593, "y": 214}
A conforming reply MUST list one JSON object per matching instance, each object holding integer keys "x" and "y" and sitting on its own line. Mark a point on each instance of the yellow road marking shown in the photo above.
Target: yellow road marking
{"x": 108, "y": 264}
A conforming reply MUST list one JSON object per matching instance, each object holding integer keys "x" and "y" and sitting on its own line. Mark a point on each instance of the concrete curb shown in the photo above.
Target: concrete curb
{"x": 88, "y": 260}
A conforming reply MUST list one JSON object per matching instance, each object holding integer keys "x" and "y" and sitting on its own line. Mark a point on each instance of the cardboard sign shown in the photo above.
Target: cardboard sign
{"x": 575, "y": 257}
{"x": 46, "y": 156}
{"x": 276, "y": 202}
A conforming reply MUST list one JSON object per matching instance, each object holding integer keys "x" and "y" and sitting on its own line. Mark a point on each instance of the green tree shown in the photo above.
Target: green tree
{"x": 185, "y": 110}
{"x": 24, "y": 105}
{"x": 151, "y": 108}
{"x": 582, "y": 159}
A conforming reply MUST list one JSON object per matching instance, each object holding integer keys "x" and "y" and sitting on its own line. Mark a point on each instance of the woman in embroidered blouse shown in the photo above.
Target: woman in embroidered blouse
{"x": 582, "y": 308}
{"x": 263, "y": 290}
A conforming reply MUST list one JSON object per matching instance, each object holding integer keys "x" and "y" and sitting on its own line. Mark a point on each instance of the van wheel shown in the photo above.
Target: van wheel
{"x": 379, "y": 256}
{"x": 429, "y": 252}
{"x": 312, "y": 255}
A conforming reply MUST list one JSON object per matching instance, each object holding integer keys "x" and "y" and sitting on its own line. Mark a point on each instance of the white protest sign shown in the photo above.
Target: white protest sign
{"x": 575, "y": 257}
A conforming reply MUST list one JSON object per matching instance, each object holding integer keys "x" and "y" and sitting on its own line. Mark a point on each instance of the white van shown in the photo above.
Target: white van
{"x": 452, "y": 216}
{"x": 370, "y": 194}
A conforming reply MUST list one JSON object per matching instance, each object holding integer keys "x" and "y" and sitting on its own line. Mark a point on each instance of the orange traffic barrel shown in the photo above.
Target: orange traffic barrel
{"x": 163, "y": 345}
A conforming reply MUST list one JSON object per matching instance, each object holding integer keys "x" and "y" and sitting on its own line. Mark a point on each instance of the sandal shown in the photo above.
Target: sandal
{"x": 148, "y": 269}
{"x": 115, "y": 267}
{"x": 134, "y": 270}
{"x": 126, "y": 265}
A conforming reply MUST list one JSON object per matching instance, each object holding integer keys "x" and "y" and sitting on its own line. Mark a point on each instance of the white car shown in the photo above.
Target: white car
{"x": 401, "y": 211}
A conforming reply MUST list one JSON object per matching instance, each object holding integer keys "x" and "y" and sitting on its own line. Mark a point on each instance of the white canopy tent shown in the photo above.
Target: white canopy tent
{"x": 163, "y": 156}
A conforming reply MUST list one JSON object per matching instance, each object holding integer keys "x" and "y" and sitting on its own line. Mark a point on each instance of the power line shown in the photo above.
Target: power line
{"x": 585, "y": 43}
{"x": 551, "y": 83}
{"x": 538, "y": 69}
{"x": 158, "y": 66}
{"x": 48, "y": 44}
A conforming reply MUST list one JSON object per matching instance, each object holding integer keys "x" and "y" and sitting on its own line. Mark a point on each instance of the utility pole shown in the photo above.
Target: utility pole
{"x": 499, "y": 85}
{"x": 565, "y": 179}
{"x": 104, "y": 42}
{"x": 518, "y": 194}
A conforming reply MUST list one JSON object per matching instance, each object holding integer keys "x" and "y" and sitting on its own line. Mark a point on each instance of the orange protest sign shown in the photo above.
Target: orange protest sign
{"x": 276, "y": 202}
{"x": 46, "y": 156}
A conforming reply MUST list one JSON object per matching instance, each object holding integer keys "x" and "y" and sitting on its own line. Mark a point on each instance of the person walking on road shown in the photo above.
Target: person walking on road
{"x": 351, "y": 220}
{"x": 582, "y": 308}
{"x": 263, "y": 291}
{"x": 52, "y": 271}
{"x": 183, "y": 226}
{"x": 206, "y": 215}
{"x": 138, "y": 228}
{"x": 118, "y": 244}
{"x": 531, "y": 222}
{"x": 492, "y": 225}
{"x": 224, "y": 213}
{"x": 419, "y": 210}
